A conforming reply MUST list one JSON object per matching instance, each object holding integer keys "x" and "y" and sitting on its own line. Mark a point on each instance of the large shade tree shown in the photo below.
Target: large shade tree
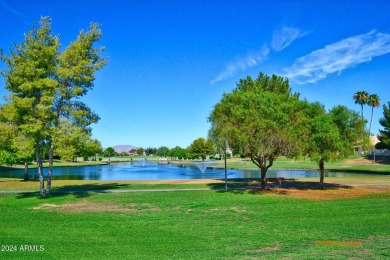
{"x": 30, "y": 80}
{"x": 333, "y": 136}
{"x": 45, "y": 86}
{"x": 264, "y": 119}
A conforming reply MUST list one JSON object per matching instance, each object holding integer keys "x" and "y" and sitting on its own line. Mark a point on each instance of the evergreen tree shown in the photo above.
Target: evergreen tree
{"x": 45, "y": 86}
{"x": 384, "y": 137}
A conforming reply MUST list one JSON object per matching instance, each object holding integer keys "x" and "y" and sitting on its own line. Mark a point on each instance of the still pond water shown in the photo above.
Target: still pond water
{"x": 153, "y": 171}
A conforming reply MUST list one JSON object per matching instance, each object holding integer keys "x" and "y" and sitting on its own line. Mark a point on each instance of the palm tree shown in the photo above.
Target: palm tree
{"x": 361, "y": 98}
{"x": 373, "y": 101}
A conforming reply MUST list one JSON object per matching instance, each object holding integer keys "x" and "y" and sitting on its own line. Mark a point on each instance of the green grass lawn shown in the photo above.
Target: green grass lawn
{"x": 194, "y": 225}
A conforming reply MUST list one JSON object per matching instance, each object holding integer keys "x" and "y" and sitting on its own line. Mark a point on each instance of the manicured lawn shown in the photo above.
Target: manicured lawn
{"x": 198, "y": 225}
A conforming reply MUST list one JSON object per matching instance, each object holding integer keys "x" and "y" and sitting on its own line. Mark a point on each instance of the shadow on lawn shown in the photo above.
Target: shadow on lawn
{"x": 253, "y": 186}
{"x": 381, "y": 159}
{"x": 79, "y": 191}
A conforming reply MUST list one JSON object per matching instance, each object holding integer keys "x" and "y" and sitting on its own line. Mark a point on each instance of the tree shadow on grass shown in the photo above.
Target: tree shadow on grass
{"x": 78, "y": 191}
{"x": 253, "y": 186}
{"x": 381, "y": 159}
{"x": 235, "y": 186}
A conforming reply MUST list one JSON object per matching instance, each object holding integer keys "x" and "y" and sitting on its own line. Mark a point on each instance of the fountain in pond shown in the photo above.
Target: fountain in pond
{"x": 143, "y": 161}
{"x": 202, "y": 166}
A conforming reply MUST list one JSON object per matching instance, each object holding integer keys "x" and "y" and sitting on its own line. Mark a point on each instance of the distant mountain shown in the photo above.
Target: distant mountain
{"x": 123, "y": 148}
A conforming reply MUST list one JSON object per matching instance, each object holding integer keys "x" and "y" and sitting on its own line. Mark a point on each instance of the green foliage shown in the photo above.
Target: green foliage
{"x": 162, "y": 151}
{"x": 14, "y": 145}
{"x": 334, "y": 135}
{"x": 349, "y": 127}
{"x": 361, "y": 98}
{"x": 46, "y": 85}
{"x": 178, "y": 152}
{"x": 140, "y": 151}
{"x": 75, "y": 75}
{"x": 150, "y": 151}
{"x": 23, "y": 146}
{"x": 7, "y": 158}
{"x": 73, "y": 141}
{"x": 109, "y": 151}
{"x": 384, "y": 137}
{"x": 30, "y": 80}
{"x": 201, "y": 148}
{"x": 262, "y": 119}
{"x": 325, "y": 139}
{"x": 91, "y": 148}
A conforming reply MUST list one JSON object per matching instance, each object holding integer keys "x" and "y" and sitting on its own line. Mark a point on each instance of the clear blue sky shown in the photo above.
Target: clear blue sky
{"x": 171, "y": 61}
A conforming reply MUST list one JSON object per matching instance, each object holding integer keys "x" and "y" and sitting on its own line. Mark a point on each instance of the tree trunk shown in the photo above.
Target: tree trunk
{"x": 263, "y": 171}
{"x": 50, "y": 172}
{"x": 225, "y": 171}
{"x": 322, "y": 170}
{"x": 40, "y": 170}
{"x": 26, "y": 171}
{"x": 372, "y": 113}
{"x": 363, "y": 119}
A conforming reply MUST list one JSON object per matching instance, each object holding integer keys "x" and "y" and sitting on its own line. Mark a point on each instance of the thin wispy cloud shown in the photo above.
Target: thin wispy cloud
{"x": 284, "y": 37}
{"x": 280, "y": 40}
{"x": 18, "y": 14}
{"x": 336, "y": 57}
{"x": 249, "y": 61}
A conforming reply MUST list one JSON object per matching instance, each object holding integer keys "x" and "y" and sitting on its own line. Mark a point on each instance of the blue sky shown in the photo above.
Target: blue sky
{"x": 171, "y": 61}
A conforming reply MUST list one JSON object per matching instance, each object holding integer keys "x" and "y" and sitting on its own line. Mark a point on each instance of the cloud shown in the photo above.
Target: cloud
{"x": 280, "y": 40}
{"x": 338, "y": 56}
{"x": 249, "y": 61}
{"x": 283, "y": 38}
{"x": 15, "y": 12}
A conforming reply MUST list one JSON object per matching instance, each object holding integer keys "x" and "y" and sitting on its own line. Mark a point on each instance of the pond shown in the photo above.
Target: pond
{"x": 154, "y": 171}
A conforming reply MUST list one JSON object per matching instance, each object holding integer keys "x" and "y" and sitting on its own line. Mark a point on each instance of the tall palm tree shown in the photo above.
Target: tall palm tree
{"x": 361, "y": 98}
{"x": 373, "y": 101}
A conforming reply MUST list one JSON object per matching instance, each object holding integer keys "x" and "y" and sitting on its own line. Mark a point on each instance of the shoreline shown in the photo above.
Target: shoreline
{"x": 60, "y": 164}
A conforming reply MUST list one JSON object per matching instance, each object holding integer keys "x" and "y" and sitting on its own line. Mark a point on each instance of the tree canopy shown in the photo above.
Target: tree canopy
{"x": 46, "y": 84}
{"x": 109, "y": 151}
{"x": 201, "y": 147}
{"x": 263, "y": 118}
{"x": 333, "y": 135}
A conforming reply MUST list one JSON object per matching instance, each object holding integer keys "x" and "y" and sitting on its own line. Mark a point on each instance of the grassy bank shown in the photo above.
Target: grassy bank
{"x": 196, "y": 225}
